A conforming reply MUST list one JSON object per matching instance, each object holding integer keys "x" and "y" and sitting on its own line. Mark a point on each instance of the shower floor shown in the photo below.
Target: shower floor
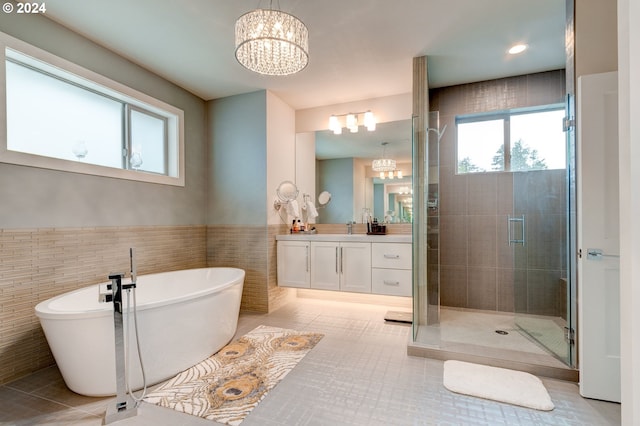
{"x": 472, "y": 333}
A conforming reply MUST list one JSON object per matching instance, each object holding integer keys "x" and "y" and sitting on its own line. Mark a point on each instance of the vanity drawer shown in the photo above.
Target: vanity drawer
{"x": 391, "y": 255}
{"x": 392, "y": 282}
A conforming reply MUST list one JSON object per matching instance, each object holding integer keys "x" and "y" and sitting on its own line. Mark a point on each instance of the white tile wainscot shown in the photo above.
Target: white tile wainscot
{"x": 359, "y": 263}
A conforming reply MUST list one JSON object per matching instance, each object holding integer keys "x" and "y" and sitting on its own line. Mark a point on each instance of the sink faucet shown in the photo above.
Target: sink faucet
{"x": 350, "y": 227}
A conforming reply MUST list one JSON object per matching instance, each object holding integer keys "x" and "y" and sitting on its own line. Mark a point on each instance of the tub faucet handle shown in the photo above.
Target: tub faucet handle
{"x": 350, "y": 227}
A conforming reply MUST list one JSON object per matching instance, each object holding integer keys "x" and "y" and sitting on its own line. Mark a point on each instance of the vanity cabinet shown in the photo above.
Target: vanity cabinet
{"x": 360, "y": 264}
{"x": 391, "y": 269}
{"x": 294, "y": 264}
{"x": 341, "y": 266}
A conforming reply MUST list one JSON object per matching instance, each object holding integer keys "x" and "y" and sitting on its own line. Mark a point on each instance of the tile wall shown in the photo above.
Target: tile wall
{"x": 477, "y": 264}
{"x": 252, "y": 248}
{"x": 37, "y": 264}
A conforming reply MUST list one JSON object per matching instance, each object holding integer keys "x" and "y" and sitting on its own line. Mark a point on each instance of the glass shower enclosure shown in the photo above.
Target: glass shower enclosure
{"x": 535, "y": 235}
{"x": 426, "y": 271}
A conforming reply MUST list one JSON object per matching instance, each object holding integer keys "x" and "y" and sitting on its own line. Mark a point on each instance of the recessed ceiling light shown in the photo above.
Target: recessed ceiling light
{"x": 518, "y": 48}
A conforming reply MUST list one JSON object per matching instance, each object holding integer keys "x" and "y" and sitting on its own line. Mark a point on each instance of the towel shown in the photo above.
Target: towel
{"x": 311, "y": 210}
{"x": 292, "y": 208}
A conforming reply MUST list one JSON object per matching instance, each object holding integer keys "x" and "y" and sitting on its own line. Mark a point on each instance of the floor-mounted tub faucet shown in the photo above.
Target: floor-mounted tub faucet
{"x": 124, "y": 405}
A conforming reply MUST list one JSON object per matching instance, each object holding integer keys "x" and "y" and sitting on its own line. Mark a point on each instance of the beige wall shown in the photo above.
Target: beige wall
{"x": 385, "y": 109}
{"x": 596, "y": 48}
{"x": 49, "y": 198}
{"x": 60, "y": 231}
{"x": 281, "y": 151}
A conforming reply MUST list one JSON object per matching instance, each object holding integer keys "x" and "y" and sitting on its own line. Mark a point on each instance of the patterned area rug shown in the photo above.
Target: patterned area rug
{"x": 228, "y": 385}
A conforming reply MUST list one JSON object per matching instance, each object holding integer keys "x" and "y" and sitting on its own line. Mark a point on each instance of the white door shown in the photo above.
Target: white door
{"x": 598, "y": 237}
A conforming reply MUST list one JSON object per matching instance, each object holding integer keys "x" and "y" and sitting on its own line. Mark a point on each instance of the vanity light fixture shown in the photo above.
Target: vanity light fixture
{"x": 271, "y": 42}
{"x": 517, "y": 48}
{"x": 351, "y": 122}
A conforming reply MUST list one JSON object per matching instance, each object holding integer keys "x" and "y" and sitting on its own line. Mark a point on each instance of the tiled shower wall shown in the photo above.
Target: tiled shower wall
{"x": 36, "y": 264}
{"x": 477, "y": 268}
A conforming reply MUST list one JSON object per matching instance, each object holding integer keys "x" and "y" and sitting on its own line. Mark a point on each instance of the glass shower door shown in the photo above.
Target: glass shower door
{"x": 539, "y": 238}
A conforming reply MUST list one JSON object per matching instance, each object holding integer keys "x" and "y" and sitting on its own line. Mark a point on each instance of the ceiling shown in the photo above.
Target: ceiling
{"x": 359, "y": 49}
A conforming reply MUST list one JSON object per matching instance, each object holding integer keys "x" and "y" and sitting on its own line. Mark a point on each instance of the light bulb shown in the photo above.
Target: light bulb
{"x": 369, "y": 121}
{"x": 334, "y": 124}
{"x": 518, "y": 48}
{"x": 352, "y": 123}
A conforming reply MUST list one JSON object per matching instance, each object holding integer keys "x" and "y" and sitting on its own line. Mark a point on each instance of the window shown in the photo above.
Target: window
{"x": 64, "y": 117}
{"x": 532, "y": 139}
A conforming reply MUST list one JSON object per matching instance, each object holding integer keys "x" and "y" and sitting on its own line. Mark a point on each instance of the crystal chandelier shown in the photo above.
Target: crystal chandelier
{"x": 383, "y": 165}
{"x": 387, "y": 165}
{"x": 271, "y": 42}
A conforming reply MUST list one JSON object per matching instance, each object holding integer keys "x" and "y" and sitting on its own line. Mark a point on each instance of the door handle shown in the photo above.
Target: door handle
{"x": 511, "y": 221}
{"x": 598, "y": 254}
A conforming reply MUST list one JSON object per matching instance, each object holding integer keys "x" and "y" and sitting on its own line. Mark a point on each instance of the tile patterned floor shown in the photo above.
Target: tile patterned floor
{"x": 358, "y": 374}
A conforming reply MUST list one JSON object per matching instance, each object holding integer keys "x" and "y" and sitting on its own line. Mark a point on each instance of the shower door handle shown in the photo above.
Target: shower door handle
{"x": 510, "y": 222}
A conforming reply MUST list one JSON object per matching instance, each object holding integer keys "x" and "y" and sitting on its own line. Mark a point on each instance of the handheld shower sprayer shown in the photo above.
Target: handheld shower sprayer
{"x": 132, "y": 263}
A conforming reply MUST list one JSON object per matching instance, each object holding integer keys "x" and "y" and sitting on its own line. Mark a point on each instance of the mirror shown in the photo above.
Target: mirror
{"x": 324, "y": 198}
{"x": 343, "y": 167}
{"x": 287, "y": 191}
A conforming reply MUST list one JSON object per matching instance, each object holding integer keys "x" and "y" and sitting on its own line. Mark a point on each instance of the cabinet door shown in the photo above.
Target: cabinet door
{"x": 355, "y": 267}
{"x": 324, "y": 265}
{"x": 293, "y": 264}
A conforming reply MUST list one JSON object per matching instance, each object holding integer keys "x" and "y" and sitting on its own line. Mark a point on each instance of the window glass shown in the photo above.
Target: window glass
{"x": 538, "y": 141}
{"x": 61, "y": 116}
{"x": 148, "y": 136}
{"x": 478, "y": 143}
{"x": 47, "y": 116}
{"x": 511, "y": 141}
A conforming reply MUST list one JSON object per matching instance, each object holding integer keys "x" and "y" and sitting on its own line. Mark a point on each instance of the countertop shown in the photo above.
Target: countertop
{"x": 388, "y": 238}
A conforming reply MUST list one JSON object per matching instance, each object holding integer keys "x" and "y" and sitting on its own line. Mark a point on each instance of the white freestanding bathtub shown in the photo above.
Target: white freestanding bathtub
{"x": 183, "y": 318}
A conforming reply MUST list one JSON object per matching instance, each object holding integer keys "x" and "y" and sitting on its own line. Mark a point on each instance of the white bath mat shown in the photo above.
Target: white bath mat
{"x": 497, "y": 384}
